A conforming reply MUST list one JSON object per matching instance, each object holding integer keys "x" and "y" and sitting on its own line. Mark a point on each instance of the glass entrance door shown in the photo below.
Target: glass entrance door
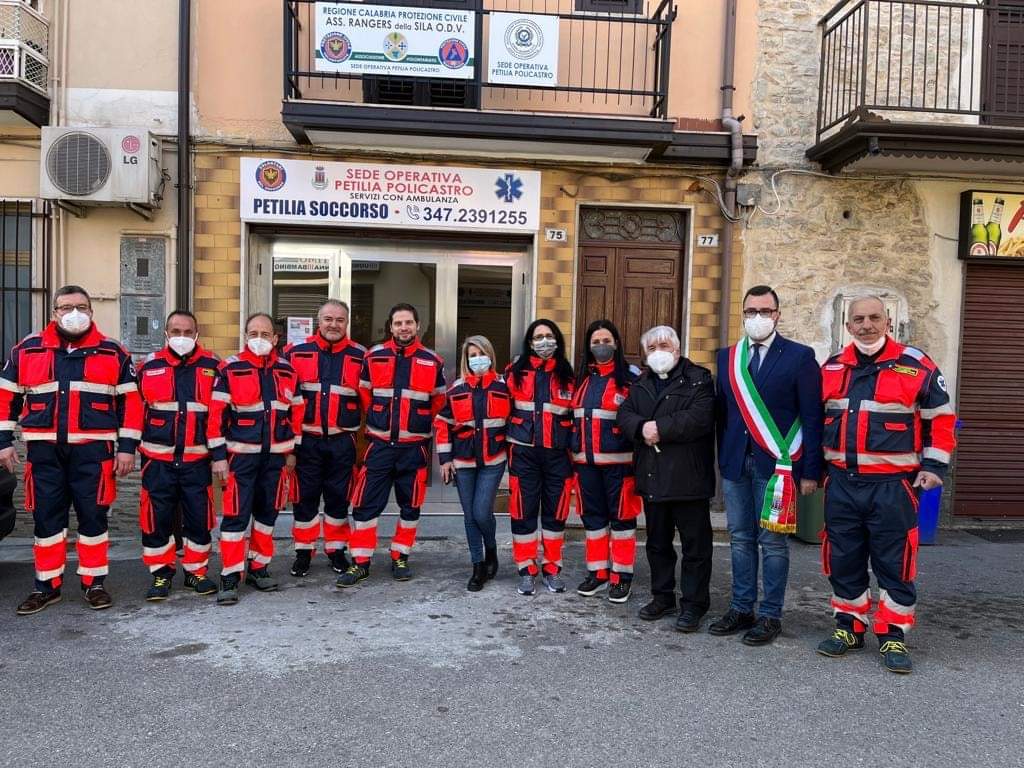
{"x": 459, "y": 290}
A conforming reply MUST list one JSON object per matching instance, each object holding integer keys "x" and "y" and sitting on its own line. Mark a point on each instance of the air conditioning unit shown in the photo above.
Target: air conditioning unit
{"x": 100, "y": 166}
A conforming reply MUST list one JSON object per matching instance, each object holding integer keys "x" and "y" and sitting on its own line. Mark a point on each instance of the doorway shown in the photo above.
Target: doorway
{"x": 459, "y": 289}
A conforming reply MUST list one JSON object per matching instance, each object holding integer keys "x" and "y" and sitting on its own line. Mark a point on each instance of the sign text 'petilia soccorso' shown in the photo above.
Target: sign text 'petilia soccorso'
{"x": 408, "y": 196}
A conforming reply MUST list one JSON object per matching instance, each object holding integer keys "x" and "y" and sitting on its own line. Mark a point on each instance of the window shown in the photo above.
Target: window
{"x": 16, "y": 272}
{"x": 610, "y": 6}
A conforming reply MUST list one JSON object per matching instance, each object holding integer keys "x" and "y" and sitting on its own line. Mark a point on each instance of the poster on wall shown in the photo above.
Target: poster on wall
{"x": 991, "y": 225}
{"x": 523, "y": 50}
{"x": 299, "y": 329}
{"x": 365, "y": 39}
{"x": 425, "y": 197}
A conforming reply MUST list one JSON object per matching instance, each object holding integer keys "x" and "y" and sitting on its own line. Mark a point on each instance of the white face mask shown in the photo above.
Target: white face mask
{"x": 75, "y": 322}
{"x": 661, "y": 362}
{"x": 181, "y": 345}
{"x": 480, "y": 364}
{"x": 758, "y": 328}
{"x": 869, "y": 349}
{"x": 259, "y": 347}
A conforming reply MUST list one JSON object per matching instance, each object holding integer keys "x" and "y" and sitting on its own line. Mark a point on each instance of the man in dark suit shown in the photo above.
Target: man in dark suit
{"x": 769, "y": 423}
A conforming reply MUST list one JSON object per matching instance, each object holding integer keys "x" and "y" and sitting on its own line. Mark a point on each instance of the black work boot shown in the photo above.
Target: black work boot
{"x": 476, "y": 581}
{"x": 303, "y": 558}
{"x": 491, "y": 561}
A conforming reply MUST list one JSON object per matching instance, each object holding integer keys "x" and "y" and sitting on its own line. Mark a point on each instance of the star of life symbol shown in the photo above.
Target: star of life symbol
{"x": 509, "y": 188}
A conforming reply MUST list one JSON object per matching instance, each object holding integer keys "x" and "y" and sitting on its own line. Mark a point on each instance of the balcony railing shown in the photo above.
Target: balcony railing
{"x": 945, "y": 61}
{"x": 608, "y": 63}
{"x": 24, "y": 45}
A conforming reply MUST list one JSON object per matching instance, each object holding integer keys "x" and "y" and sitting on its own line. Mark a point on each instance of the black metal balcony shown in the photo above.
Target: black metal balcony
{"x": 610, "y": 96}
{"x": 913, "y": 79}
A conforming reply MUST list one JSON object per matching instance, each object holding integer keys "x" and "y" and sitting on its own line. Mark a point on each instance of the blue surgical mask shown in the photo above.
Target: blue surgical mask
{"x": 479, "y": 365}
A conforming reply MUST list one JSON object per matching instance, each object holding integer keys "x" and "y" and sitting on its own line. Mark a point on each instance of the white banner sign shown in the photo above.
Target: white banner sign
{"x": 408, "y": 196}
{"x": 360, "y": 38}
{"x": 523, "y": 50}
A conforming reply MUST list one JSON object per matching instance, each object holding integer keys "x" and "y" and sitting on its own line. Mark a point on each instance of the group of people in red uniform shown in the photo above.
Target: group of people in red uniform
{"x": 269, "y": 428}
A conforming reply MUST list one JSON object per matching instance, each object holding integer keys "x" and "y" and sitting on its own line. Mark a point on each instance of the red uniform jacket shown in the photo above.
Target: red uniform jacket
{"x": 256, "y": 406}
{"x": 329, "y": 383}
{"x": 74, "y": 395}
{"x": 541, "y": 408}
{"x": 471, "y": 426}
{"x": 596, "y": 439}
{"x": 177, "y": 395}
{"x": 890, "y": 416}
{"x": 401, "y": 390}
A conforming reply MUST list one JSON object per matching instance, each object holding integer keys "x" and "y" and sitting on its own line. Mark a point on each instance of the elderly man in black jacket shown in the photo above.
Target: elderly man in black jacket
{"x": 669, "y": 414}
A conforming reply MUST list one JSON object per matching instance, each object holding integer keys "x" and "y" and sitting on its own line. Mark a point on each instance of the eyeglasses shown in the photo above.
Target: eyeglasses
{"x": 63, "y": 309}
{"x": 762, "y": 312}
{"x": 544, "y": 337}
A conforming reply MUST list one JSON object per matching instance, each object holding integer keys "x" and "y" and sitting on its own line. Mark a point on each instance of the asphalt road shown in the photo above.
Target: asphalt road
{"x": 425, "y": 674}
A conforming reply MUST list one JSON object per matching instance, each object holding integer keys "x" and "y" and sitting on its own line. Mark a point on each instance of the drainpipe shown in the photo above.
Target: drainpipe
{"x": 731, "y": 124}
{"x": 183, "y": 272}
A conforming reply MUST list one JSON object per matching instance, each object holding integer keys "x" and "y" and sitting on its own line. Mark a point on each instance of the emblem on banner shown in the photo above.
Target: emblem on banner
{"x": 453, "y": 53}
{"x": 524, "y": 38}
{"x": 270, "y": 175}
{"x": 395, "y": 46}
{"x": 335, "y": 47}
{"x": 319, "y": 177}
{"x": 509, "y": 188}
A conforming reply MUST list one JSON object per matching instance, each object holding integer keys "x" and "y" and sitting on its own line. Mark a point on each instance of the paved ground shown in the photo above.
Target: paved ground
{"x": 425, "y": 674}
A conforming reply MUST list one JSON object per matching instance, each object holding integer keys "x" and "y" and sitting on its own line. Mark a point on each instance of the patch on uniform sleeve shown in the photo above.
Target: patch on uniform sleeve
{"x": 941, "y": 381}
{"x": 209, "y": 372}
{"x": 906, "y": 370}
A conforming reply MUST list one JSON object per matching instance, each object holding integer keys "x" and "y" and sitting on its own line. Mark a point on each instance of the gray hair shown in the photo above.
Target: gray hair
{"x": 334, "y": 303}
{"x": 659, "y": 333}
{"x": 864, "y": 297}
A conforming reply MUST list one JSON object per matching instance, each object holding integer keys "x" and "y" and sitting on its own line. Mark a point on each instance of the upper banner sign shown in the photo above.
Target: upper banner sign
{"x": 411, "y": 196}
{"x": 523, "y": 50}
{"x": 991, "y": 224}
{"x": 364, "y": 39}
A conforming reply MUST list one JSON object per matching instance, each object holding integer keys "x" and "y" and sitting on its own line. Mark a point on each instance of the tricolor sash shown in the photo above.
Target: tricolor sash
{"x": 778, "y": 509}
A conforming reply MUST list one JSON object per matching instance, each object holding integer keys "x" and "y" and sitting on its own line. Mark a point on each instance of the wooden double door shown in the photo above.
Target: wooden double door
{"x": 636, "y": 283}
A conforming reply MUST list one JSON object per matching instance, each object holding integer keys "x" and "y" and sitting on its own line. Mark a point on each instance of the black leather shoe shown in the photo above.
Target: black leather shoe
{"x": 655, "y": 610}
{"x": 732, "y": 622}
{"x": 763, "y": 632}
{"x": 688, "y": 621}
{"x": 476, "y": 581}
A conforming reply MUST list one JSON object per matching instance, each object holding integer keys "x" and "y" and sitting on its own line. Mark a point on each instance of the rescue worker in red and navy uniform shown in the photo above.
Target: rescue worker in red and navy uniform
{"x": 401, "y": 389}
{"x": 889, "y": 432}
{"x": 74, "y": 392}
{"x": 603, "y": 459}
{"x": 471, "y": 439}
{"x": 541, "y": 383}
{"x": 177, "y": 386}
{"x": 328, "y": 366}
{"x": 255, "y": 423}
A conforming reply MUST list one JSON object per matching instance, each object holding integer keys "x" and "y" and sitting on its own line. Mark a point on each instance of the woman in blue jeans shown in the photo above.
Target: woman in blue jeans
{"x": 471, "y": 448}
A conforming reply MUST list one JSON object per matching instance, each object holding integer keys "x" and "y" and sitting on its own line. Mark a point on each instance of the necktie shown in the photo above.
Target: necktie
{"x": 755, "y": 360}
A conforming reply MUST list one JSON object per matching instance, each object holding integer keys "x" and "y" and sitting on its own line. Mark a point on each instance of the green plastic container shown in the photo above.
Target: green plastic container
{"x": 810, "y": 516}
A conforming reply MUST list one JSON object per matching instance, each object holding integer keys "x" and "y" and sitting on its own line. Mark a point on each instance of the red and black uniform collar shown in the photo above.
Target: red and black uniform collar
{"x": 167, "y": 355}
{"x": 604, "y": 369}
{"x": 328, "y": 346}
{"x": 406, "y": 351}
{"x": 52, "y": 338}
{"x": 539, "y": 364}
{"x": 265, "y": 361}
{"x": 891, "y": 350}
{"x": 480, "y": 381}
